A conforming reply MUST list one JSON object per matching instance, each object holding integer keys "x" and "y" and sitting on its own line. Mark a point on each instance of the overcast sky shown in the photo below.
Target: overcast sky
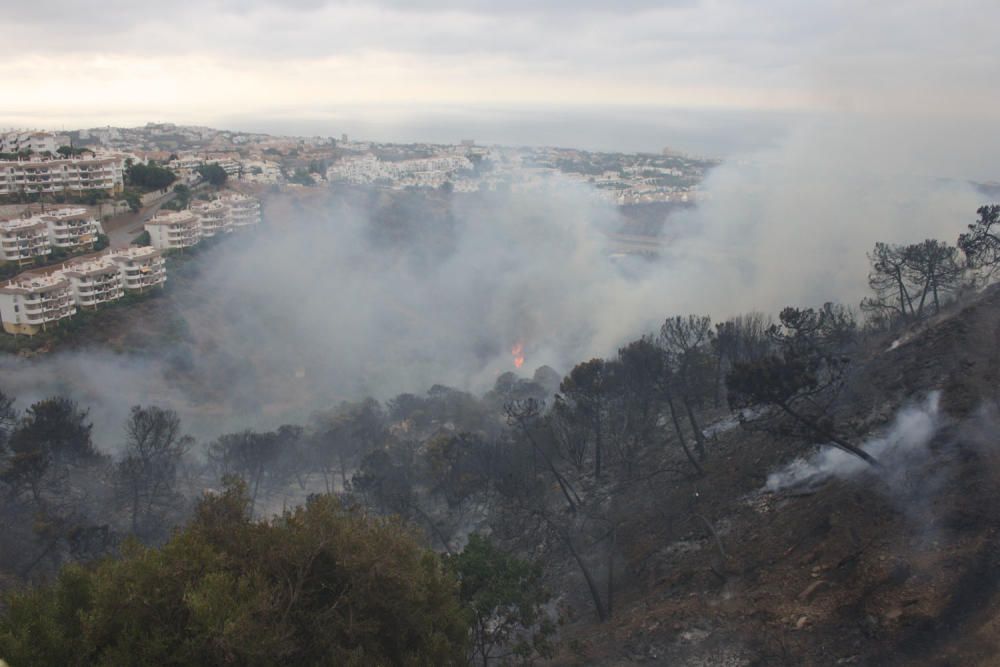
{"x": 125, "y": 62}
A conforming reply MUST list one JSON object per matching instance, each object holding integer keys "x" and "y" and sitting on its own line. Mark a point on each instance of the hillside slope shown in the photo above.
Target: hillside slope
{"x": 897, "y": 568}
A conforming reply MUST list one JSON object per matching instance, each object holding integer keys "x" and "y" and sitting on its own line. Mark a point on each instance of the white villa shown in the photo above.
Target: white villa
{"x": 141, "y": 267}
{"x": 94, "y": 281}
{"x": 244, "y": 211}
{"x": 174, "y": 230}
{"x": 71, "y": 228}
{"x": 214, "y": 217}
{"x": 70, "y": 175}
{"x": 30, "y": 303}
{"x": 22, "y": 240}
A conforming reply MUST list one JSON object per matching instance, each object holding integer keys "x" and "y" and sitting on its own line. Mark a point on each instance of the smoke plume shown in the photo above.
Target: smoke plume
{"x": 905, "y": 444}
{"x": 336, "y": 299}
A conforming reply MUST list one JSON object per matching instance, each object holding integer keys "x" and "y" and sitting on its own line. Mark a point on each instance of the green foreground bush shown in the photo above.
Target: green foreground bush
{"x": 320, "y": 585}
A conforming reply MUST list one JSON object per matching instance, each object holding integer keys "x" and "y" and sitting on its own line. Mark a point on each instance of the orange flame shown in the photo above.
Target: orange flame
{"x": 518, "y": 353}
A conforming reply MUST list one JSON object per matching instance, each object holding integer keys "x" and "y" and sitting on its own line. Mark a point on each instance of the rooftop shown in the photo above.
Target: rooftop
{"x": 20, "y": 224}
{"x": 66, "y": 213}
{"x": 172, "y": 218}
{"x": 89, "y": 266}
{"x": 134, "y": 252}
{"x": 27, "y": 283}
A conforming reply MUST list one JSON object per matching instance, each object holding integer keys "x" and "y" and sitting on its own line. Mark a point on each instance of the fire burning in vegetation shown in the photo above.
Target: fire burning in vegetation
{"x": 518, "y": 353}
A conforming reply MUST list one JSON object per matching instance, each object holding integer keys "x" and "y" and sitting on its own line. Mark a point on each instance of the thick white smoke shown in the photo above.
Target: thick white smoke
{"x": 905, "y": 444}
{"x": 324, "y": 305}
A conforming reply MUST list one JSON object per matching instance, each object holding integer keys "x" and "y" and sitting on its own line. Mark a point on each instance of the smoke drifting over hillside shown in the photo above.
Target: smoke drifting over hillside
{"x": 334, "y": 302}
{"x": 903, "y": 446}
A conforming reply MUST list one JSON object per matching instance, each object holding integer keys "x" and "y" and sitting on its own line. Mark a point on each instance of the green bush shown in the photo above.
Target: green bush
{"x": 318, "y": 585}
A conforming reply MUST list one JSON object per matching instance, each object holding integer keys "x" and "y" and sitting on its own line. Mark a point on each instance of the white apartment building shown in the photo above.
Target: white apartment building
{"x": 244, "y": 211}
{"x": 231, "y": 167}
{"x": 431, "y": 171}
{"x": 23, "y": 240}
{"x": 261, "y": 171}
{"x": 71, "y": 228}
{"x": 214, "y": 217}
{"x": 30, "y": 303}
{"x": 174, "y": 230}
{"x": 74, "y": 175}
{"x": 30, "y": 140}
{"x": 186, "y": 163}
{"x": 141, "y": 268}
{"x": 94, "y": 281}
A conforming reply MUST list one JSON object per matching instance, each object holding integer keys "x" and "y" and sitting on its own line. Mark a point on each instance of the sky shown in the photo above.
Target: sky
{"x": 508, "y": 70}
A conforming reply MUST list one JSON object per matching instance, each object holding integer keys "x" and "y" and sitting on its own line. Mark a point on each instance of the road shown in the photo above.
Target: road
{"x": 122, "y": 229}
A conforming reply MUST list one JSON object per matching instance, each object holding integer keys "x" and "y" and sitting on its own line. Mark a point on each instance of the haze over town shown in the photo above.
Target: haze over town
{"x": 572, "y": 333}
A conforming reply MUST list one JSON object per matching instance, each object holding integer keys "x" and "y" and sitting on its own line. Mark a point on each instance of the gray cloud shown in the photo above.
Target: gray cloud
{"x": 719, "y": 42}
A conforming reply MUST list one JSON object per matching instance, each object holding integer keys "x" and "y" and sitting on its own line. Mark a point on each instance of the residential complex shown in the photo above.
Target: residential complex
{"x": 94, "y": 281}
{"x": 244, "y": 211}
{"x": 34, "y": 141}
{"x": 141, "y": 268}
{"x": 72, "y": 228}
{"x": 31, "y": 303}
{"x": 62, "y": 176}
{"x": 174, "y": 230}
{"x": 625, "y": 179}
{"x": 24, "y": 240}
{"x": 214, "y": 217}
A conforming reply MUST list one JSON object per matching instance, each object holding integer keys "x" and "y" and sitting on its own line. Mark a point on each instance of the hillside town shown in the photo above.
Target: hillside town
{"x": 35, "y": 299}
{"x": 55, "y": 257}
{"x": 186, "y": 184}
{"x": 255, "y": 159}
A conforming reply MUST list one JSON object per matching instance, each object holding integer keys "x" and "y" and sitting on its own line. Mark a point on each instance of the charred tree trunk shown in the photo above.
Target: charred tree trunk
{"x": 598, "y": 447}
{"x": 611, "y": 571}
{"x": 680, "y": 435}
{"x": 830, "y": 437}
{"x": 699, "y": 437}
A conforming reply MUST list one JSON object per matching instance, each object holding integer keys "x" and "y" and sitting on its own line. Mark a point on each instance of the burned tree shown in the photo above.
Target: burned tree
{"x": 801, "y": 381}
{"x": 385, "y": 484}
{"x": 588, "y": 392}
{"x": 888, "y": 279}
{"x": 147, "y": 473}
{"x": 524, "y": 417}
{"x": 8, "y": 419}
{"x": 51, "y": 466}
{"x": 644, "y": 370}
{"x": 741, "y": 338}
{"x": 687, "y": 343}
{"x": 981, "y": 244}
{"x": 933, "y": 266}
{"x": 907, "y": 279}
{"x": 250, "y": 455}
{"x": 53, "y": 436}
{"x": 530, "y": 507}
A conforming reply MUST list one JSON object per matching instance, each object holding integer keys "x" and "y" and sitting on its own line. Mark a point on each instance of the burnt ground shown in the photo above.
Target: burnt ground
{"x": 854, "y": 572}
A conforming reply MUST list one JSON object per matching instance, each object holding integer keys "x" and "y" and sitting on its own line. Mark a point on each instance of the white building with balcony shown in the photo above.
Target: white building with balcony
{"x": 214, "y": 217}
{"x": 72, "y": 228}
{"x": 30, "y": 303}
{"x": 174, "y": 230}
{"x": 73, "y": 175}
{"x": 244, "y": 211}
{"x": 23, "y": 240}
{"x": 31, "y": 140}
{"x": 94, "y": 281}
{"x": 141, "y": 268}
